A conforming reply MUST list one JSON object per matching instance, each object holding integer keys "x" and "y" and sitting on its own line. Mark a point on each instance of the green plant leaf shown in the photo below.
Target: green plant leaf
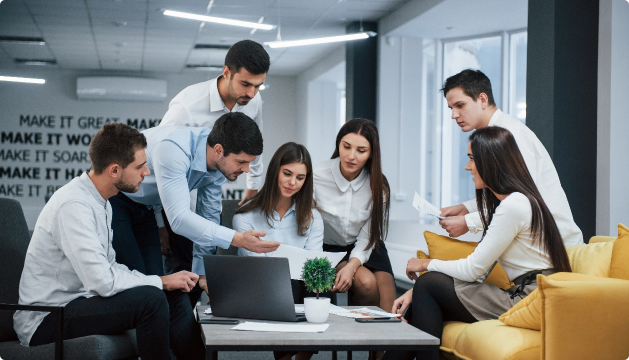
{"x": 318, "y": 274}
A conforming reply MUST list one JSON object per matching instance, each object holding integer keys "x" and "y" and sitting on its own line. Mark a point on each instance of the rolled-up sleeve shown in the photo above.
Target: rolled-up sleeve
{"x": 89, "y": 258}
{"x": 170, "y": 165}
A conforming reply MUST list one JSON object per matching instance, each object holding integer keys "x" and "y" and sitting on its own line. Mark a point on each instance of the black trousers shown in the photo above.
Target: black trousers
{"x": 163, "y": 320}
{"x": 136, "y": 241}
{"x": 434, "y": 301}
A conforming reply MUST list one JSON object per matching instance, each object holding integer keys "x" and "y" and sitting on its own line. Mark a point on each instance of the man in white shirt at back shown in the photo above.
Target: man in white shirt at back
{"x": 470, "y": 97}
{"x": 235, "y": 90}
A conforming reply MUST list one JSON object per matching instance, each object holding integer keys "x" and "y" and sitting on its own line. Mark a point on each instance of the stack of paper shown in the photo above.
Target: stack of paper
{"x": 424, "y": 206}
{"x": 359, "y": 313}
{"x": 301, "y": 328}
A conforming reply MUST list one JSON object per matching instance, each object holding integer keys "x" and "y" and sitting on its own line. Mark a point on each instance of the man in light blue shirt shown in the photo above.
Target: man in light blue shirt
{"x": 182, "y": 159}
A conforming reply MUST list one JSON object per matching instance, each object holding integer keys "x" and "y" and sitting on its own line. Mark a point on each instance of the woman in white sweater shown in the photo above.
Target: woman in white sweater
{"x": 519, "y": 232}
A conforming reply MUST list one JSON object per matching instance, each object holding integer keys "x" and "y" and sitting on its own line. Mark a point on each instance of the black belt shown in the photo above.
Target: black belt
{"x": 526, "y": 279}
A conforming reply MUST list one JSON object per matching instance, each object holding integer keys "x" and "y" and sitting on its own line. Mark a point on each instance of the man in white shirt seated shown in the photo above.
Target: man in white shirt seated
{"x": 70, "y": 262}
{"x": 470, "y": 97}
{"x": 200, "y": 105}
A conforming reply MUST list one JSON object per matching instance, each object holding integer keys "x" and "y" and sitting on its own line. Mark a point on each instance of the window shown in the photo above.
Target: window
{"x": 502, "y": 57}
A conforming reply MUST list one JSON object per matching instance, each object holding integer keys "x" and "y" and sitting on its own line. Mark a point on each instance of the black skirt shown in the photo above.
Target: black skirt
{"x": 378, "y": 260}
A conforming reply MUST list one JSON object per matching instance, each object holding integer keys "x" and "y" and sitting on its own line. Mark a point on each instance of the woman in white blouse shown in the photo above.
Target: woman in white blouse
{"x": 352, "y": 195}
{"x": 519, "y": 232}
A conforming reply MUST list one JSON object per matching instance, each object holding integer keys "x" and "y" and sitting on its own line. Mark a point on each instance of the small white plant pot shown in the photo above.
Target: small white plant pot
{"x": 317, "y": 310}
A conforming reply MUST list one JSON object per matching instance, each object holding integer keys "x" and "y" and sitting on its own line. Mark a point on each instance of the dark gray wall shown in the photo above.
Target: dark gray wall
{"x": 562, "y": 67}
{"x": 361, "y": 73}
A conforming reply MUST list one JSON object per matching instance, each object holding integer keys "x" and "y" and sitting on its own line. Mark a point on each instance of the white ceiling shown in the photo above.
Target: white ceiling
{"x": 134, "y": 35}
{"x": 463, "y": 18}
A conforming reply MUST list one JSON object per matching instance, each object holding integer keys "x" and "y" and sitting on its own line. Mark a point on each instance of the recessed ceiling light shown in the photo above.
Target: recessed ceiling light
{"x": 41, "y": 62}
{"x": 204, "y": 67}
{"x": 218, "y": 20}
{"x": 22, "y": 80}
{"x": 22, "y": 40}
{"x": 323, "y": 40}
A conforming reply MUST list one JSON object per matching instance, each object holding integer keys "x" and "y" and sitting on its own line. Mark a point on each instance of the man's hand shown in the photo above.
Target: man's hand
{"x": 203, "y": 285}
{"x": 456, "y": 210}
{"x": 414, "y": 265}
{"x": 454, "y": 225}
{"x": 164, "y": 241}
{"x": 400, "y": 305}
{"x": 182, "y": 280}
{"x": 251, "y": 241}
{"x": 248, "y": 195}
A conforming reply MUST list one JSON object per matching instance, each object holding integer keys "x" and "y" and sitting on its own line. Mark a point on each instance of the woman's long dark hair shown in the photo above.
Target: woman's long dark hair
{"x": 502, "y": 168}
{"x": 380, "y": 191}
{"x": 267, "y": 198}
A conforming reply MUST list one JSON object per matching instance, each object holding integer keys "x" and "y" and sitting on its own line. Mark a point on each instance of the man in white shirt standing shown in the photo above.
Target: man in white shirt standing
{"x": 470, "y": 97}
{"x": 200, "y": 105}
{"x": 71, "y": 262}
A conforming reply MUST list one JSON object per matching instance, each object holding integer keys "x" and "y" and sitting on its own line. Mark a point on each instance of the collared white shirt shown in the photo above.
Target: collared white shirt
{"x": 201, "y": 105}
{"x": 177, "y": 159}
{"x": 345, "y": 207}
{"x": 284, "y": 230}
{"x": 544, "y": 174}
{"x": 508, "y": 241}
{"x": 70, "y": 255}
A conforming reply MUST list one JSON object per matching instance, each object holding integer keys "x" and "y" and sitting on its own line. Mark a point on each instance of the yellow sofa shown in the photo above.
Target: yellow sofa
{"x": 579, "y": 320}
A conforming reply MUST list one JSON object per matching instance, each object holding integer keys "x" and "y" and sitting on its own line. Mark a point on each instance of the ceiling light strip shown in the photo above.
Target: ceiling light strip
{"x": 22, "y": 80}
{"x": 323, "y": 40}
{"x": 218, "y": 20}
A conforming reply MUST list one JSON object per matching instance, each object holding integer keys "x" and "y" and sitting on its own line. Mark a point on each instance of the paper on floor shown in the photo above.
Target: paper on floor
{"x": 300, "y": 328}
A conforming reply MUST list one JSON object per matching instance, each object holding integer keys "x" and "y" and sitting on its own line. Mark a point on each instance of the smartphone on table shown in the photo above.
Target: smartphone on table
{"x": 378, "y": 319}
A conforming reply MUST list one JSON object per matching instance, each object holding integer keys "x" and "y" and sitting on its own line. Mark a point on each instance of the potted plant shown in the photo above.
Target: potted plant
{"x": 318, "y": 275}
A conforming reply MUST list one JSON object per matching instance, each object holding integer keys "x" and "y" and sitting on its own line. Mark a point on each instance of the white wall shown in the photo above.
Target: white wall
{"x": 57, "y": 98}
{"x": 612, "y": 196}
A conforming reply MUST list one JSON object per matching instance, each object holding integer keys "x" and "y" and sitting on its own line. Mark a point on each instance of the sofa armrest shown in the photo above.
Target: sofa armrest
{"x": 584, "y": 319}
{"x": 53, "y": 309}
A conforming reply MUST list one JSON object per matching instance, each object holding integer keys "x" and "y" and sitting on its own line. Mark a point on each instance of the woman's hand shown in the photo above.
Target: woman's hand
{"x": 414, "y": 266}
{"x": 344, "y": 278}
{"x": 400, "y": 305}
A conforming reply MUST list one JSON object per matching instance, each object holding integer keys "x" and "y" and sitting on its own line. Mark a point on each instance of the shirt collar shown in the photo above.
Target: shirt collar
{"x": 290, "y": 209}
{"x": 199, "y": 160}
{"x": 216, "y": 102}
{"x": 341, "y": 181}
{"x": 494, "y": 117}
{"x": 93, "y": 190}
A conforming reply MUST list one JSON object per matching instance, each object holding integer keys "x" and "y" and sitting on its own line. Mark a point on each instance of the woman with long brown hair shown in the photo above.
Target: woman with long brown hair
{"x": 519, "y": 232}
{"x": 353, "y": 196}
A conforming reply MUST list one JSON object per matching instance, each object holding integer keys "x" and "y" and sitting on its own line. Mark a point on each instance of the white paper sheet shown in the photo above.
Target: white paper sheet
{"x": 424, "y": 206}
{"x": 297, "y": 257}
{"x": 360, "y": 313}
{"x": 208, "y": 310}
{"x": 301, "y": 328}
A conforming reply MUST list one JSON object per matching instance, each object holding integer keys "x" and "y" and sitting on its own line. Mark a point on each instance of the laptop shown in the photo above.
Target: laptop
{"x": 250, "y": 287}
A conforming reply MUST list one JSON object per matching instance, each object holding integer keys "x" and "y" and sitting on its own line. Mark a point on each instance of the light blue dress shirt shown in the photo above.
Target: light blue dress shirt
{"x": 284, "y": 230}
{"x": 177, "y": 159}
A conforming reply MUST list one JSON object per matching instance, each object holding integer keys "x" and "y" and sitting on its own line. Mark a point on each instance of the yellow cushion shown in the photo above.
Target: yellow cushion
{"x": 493, "y": 340}
{"x": 600, "y": 238}
{"x": 584, "y": 320}
{"x": 591, "y": 259}
{"x": 445, "y": 248}
{"x": 451, "y": 330}
{"x": 619, "y": 267}
{"x": 527, "y": 313}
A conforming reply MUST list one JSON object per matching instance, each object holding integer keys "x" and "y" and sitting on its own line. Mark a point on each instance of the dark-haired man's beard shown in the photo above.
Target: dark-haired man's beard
{"x": 220, "y": 164}
{"x": 124, "y": 186}
{"x": 240, "y": 100}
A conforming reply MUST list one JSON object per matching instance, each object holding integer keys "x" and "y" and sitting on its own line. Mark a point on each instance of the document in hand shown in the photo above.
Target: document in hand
{"x": 424, "y": 206}
{"x": 297, "y": 257}
{"x": 260, "y": 326}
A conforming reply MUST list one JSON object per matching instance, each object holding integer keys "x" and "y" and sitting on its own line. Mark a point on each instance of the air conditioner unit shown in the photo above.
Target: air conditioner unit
{"x": 120, "y": 88}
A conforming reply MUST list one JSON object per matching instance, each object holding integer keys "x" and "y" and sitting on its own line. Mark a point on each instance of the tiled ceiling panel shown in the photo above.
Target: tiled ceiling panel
{"x": 134, "y": 35}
